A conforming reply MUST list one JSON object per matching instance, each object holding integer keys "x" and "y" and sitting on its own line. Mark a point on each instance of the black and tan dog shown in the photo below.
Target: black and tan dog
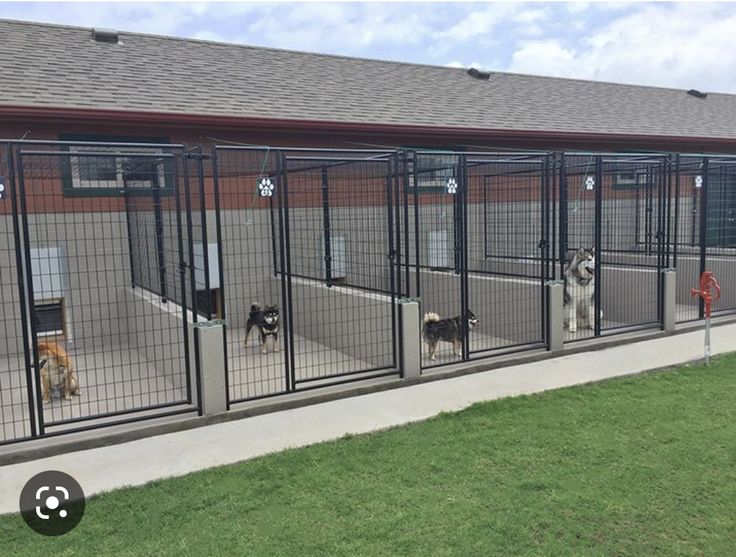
{"x": 436, "y": 330}
{"x": 267, "y": 321}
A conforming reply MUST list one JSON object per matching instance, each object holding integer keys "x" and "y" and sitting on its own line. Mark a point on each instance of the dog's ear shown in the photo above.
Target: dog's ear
{"x": 592, "y": 250}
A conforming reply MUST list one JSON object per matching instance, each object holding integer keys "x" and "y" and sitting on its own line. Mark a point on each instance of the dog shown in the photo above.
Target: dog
{"x": 436, "y": 330}
{"x": 267, "y": 321}
{"x": 57, "y": 371}
{"x": 579, "y": 279}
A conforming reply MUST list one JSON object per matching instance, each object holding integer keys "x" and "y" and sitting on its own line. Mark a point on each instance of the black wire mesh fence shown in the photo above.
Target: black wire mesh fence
{"x": 704, "y": 236}
{"x": 509, "y": 201}
{"x": 111, "y": 255}
{"x": 613, "y": 215}
{"x": 250, "y": 200}
{"x": 16, "y": 391}
{"x": 339, "y": 225}
{"x": 306, "y": 236}
{"x": 437, "y": 276}
{"x": 104, "y": 341}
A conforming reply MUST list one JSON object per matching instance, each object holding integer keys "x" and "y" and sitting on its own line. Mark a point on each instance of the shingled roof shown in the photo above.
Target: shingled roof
{"x": 63, "y": 67}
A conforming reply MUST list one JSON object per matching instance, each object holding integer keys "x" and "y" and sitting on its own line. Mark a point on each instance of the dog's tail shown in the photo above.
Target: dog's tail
{"x": 255, "y": 307}
{"x": 431, "y": 317}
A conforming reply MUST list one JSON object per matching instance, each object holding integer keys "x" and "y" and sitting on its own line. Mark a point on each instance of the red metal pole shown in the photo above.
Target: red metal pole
{"x": 707, "y": 282}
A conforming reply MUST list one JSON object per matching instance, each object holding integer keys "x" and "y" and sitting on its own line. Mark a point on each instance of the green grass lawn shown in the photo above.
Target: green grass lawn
{"x": 637, "y": 466}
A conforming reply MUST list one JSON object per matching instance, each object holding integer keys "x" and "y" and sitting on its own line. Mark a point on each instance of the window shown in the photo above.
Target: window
{"x": 97, "y": 175}
{"x": 433, "y": 172}
{"x": 630, "y": 180}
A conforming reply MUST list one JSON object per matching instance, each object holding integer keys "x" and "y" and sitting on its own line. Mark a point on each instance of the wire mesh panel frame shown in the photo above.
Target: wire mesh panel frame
{"x": 18, "y": 416}
{"x": 76, "y": 247}
{"x": 508, "y": 275}
{"x": 289, "y": 260}
{"x": 703, "y": 230}
{"x": 617, "y": 205}
{"x": 453, "y": 201}
{"x": 339, "y": 209}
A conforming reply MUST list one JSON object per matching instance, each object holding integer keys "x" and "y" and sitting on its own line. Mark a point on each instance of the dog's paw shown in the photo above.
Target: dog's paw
{"x": 276, "y": 349}
{"x": 573, "y": 328}
{"x": 67, "y": 397}
{"x": 46, "y": 400}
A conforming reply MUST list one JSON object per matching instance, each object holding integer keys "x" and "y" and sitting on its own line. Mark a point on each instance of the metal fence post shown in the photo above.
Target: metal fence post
{"x": 669, "y": 299}
{"x": 411, "y": 345}
{"x": 555, "y": 315}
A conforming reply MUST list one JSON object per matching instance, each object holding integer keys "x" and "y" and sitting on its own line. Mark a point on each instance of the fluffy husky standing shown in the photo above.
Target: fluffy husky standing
{"x": 57, "y": 371}
{"x": 267, "y": 321}
{"x": 579, "y": 277}
{"x": 449, "y": 330}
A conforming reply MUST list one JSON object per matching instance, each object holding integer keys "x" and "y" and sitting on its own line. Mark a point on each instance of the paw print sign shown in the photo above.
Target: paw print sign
{"x": 266, "y": 187}
{"x": 589, "y": 183}
{"x": 698, "y": 181}
{"x": 451, "y": 186}
{"x": 2, "y": 187}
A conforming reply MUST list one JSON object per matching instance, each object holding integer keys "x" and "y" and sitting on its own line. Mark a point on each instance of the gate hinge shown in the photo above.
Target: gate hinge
{"x": 543, "y": 244}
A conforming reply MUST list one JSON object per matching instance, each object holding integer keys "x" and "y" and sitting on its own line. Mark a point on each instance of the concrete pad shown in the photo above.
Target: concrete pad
{"x": 252, "y": 374}
{"x": 144, "y": 460}
{"x": 118, "y": 379}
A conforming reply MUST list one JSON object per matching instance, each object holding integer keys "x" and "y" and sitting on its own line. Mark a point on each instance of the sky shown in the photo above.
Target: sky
{"x": 681, "y": 45}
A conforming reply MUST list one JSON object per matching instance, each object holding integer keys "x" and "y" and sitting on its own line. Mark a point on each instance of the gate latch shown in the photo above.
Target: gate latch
{"x": 210, "y": 323}
{"x": 196, "y": 156}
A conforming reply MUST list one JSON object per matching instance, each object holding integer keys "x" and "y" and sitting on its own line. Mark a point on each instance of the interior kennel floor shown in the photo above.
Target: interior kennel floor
{"x": 252, "y": 374}
{"x": 117, "y": 379}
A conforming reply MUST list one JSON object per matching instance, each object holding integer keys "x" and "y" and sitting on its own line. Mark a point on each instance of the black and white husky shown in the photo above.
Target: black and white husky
{"x": 449, "y": 330}
{"x": 267, "y": 321}
{"x": 579, "y": 277}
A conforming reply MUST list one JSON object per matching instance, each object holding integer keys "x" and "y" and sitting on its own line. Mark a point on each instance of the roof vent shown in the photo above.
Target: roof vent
{"x": 477, "y": 74}
{"x": 697, "y": 94}
{"x": 105, "y": 36}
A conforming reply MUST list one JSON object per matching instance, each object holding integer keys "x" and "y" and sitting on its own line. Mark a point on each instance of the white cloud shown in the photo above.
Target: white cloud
{"x": 682, "y": 45}
{"x": 478, "y": 25}
{"x": 679, "y": 45}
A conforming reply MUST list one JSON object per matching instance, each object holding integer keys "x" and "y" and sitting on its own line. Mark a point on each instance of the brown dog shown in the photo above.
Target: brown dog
{"x": 57, "y": 372}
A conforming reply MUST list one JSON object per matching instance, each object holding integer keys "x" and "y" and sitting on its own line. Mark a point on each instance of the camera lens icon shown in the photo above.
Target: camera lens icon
{"x": 52, "y": 503}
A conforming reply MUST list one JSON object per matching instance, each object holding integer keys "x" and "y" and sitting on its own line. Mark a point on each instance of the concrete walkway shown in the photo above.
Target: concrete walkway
{"x": 174, "y": 454}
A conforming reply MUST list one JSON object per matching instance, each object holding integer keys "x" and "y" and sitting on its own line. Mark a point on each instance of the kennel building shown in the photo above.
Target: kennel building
{"x": 142, "y": 216}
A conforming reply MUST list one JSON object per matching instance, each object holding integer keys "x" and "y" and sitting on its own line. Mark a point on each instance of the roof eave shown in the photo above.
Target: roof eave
{"x": 176, "y": 119}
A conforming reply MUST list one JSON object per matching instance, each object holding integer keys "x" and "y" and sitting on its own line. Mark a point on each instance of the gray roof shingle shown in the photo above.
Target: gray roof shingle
{"x": 57, "y": 66}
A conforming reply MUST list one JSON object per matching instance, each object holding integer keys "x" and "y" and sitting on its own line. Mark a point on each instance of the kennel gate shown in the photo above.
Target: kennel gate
{"x": 704, "y": 229}
{"x": 480, "y": 225}
{"x": 100, "y": 265}
{"x": 312, "y": 232}
{"x": 618, "y": 205}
